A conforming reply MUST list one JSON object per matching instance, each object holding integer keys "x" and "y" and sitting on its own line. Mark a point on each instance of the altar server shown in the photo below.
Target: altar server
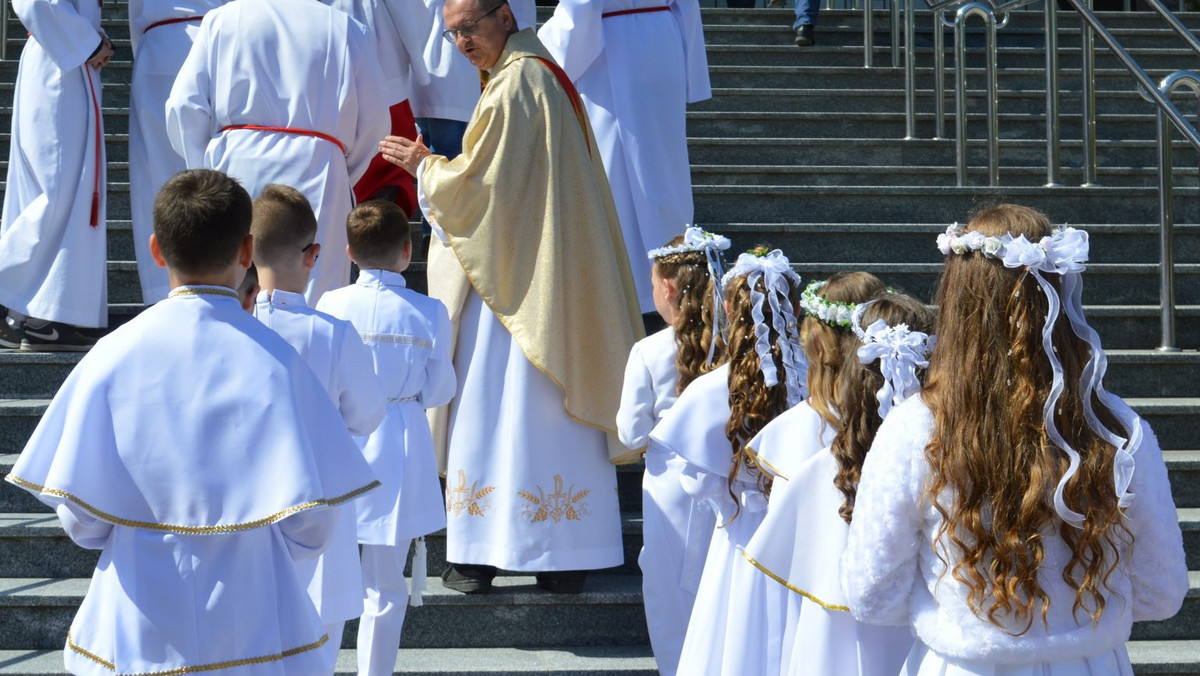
{"x": 198, "y": 451}
{"x": 637, "y": 64}
{"x": 802, "y": 537}
{"x": 409, "y": 336}
{"x": 685, "y": 274}
{"x": 1015, "y": 515}
{"x": 53, "y": 270}
{"x": 161, "y": 32}
{"x": 284, "y": 253}
{"x": 709, "y": 427}
{"x": 289, "y": 92}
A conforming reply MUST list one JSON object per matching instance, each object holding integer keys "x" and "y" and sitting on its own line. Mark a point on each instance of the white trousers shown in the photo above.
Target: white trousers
{"x": 383, "y": 608}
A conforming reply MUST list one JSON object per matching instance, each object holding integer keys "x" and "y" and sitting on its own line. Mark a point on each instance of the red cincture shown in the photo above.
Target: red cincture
{"x": 643, "y": 10}
{"x": 290, "y": 130}
{"x": 167, "y": 22}
{"x": 96, "y": 179}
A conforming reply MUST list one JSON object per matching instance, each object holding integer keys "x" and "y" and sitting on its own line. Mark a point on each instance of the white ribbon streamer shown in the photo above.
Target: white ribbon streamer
{"x": 699, "y": 239}
{"x": 778, "y": 278}
{"x": 900, "y": 352}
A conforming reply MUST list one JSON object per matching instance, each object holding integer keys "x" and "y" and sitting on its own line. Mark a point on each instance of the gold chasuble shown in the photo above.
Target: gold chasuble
{"x": 532, "y": 227}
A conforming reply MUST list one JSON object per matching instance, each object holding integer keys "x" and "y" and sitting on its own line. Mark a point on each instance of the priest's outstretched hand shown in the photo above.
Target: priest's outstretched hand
{"x": 404, "y": 152}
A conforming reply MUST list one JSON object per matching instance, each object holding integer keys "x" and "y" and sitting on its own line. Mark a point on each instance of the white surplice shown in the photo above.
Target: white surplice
{"x": 158, "y": 53}
{"x": 799, "y": 544}
{"x": 453, "y": 87}
{"x": 52, "y": 257}
{"x": 399, "y": 28}
{"x": 200, "y": 453}
{"x": 408, "y": 335}
{"x": 636, "y": 74}
{"x": 669, "y": 514}
{"x": 294, "y": 64}
{"x": 892, "y": 574}
{"x": 332, "y": 348}
{"x": 729, "y": 630}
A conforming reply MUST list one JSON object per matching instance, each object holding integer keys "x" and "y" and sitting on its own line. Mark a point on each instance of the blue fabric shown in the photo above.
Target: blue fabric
{"x": 806, "y": 12}
{"x": 442, "y": 136}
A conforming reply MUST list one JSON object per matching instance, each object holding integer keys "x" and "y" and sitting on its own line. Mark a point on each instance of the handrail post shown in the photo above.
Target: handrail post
{"x": 868, "y": 33}
{"x": 1053, "y": 133}
{"x": 4, "y": 30}
{"x": 910, "y": 73}
{"x": 939, "y": 76}
{"x": 1166, "y": 221}
{"x": 1089, "y": 102}
{"x": 894, "y": 10}
{"x": 960, "y": 90}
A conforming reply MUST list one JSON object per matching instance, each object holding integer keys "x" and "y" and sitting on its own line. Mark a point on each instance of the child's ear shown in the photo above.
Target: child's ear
{"x": 156, "y": 252}
{"x": 310, "y": 256}
{"x": 350, "y": 255}
{"x": 246, "y": 252}
{"x": 670, "y": 288}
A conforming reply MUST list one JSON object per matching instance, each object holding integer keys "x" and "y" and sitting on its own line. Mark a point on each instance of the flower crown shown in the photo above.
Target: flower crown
{"x": 778, "y": 278}
{"x": 1063, "y": 253}
{"x": 832, "y": 312}
{"x": 900, "y": 352}
{"x": 694, "y": 239}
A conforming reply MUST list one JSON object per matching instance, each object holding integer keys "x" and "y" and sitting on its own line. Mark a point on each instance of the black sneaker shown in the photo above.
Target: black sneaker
{"x": 805, "y": 36}
{"x": 55, "y": 337}
{"x": 468, "y": 578}
{"x": 10, "y": 331}
{"x": 562, "y": 581}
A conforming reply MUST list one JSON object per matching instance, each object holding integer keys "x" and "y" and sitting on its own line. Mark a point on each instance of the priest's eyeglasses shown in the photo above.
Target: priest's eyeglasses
{"x": 468, "y": 28}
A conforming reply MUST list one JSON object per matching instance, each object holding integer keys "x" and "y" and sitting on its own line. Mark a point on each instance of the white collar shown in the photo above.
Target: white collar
{"x": 380, "y": 277}
{"x": 280, "y": 297}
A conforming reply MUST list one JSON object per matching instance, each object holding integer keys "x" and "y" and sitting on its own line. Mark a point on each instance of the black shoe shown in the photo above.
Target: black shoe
{"x": 10, "y": 331}
{"x": 468, "y": 578}
{"x": 54, "y": 337}
{"x": 562, "y": 581}
{"x": 804, "y": 36}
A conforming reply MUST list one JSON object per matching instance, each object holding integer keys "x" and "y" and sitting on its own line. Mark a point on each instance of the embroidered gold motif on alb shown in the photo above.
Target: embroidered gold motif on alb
{"x": 557, "y": 506}
{"x": 468, "y": 499}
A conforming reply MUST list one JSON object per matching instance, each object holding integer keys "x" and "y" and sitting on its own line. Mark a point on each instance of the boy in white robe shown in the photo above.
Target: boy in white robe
{"x": 195, "y": 448}
{"x": 637, "y": 64}
{"x": 161, "y": 32}
{"x": 289, "y": 92}
{"x": 409, "y": 336}
{"x": 284, "y": 253}
{"x": 53, "y": 274}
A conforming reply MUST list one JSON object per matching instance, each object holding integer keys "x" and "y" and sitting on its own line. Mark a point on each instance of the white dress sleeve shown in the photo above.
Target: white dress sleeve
{"x": 367, "y": 102}
{"x": 67, "y": 36}
{"x": 440, "y": 380}
{"x": 361, "y": 399}
{"x": 880, "y": 564}
{"x": 84, "y": 529}
{"x": 635, "y": 417}
{"x": 1157, "y": 566}
{"x": 574, "y": 35}
{"x": 189, "y": 109}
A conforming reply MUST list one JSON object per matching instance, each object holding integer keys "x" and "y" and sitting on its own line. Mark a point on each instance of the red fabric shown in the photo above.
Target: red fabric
{"x": 96, "y": 178}
{"x": 289, "y": 130}
{"x": 382, "y": 174}
{"x": 573, "y": 95}
{"x": 643, "y": 10}
{"x": 167, "y": 22}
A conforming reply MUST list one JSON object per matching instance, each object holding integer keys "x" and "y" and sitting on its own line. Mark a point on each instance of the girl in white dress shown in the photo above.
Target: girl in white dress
{"x": 685, "y": 275}
{"x": 804, "y": 532}
{"x": 708, "y": 428}
{"x": 1015, "y": 514}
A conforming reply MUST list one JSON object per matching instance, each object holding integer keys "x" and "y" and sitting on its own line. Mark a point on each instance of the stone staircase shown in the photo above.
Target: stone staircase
{"x": 799, "y": 148}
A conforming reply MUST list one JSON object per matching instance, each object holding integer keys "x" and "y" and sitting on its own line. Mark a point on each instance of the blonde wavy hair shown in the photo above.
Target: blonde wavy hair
{"x": 693, "y": 324}
{"x": 993, "y": 470}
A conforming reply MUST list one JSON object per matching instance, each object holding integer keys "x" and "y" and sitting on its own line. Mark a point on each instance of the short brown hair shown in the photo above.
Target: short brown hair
{"x": 201, "y": 217}
{"x": 284, "y": 223}
{"x": 377, "y": 232}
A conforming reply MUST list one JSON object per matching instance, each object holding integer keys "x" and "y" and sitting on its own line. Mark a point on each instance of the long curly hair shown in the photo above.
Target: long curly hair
{"x": 751, "y": 403}
{"x": 826, "y": 345}
{"x": 694, "y": 330}
{"x": 993, "y": 470}
{"x": 856, "y": 385}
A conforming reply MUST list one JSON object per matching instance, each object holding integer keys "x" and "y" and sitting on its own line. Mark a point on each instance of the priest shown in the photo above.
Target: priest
{"x": 531, "y": 264}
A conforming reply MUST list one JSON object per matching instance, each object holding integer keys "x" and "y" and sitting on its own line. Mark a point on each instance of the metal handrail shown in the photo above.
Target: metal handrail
{"x": 869, "y": 32}
{"x": 1175, "y": 23}
{"x": 984, "y": 12}
{"x": 4, "y": 30}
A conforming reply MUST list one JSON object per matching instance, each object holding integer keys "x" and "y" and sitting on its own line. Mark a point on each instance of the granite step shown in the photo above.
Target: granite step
{"x": 36, "y": 612}
{"x": 901, "y": 175}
